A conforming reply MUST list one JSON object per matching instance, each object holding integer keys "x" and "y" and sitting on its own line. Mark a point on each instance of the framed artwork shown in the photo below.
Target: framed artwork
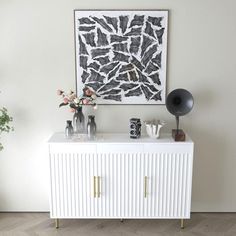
{"x": 121, "y": 55}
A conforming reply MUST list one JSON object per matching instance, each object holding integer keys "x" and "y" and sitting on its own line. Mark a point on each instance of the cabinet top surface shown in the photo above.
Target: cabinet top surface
{"x": 116, "y": 138}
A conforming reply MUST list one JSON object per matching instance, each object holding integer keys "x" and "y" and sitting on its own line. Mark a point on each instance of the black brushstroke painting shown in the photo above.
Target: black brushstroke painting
{"x": 99, "y": 52}
{"x": 82, "y": 47}
{"x": 155, "y": 78}
{"x": 113, "y": 72}
{"x": 155, "y": 20}
{"x": 134, "y": 92}
{"x": 86, "y": 28}
{"x": 89, "y": 38}
{"x": 137, "y": 21}
{"x": 149, "y": 30}
{"x": 95, "y": 77}
{"x": 112, "y": 21}
{"x": 159, "y": 34}
{"x": 137, "y": 63}
{"x": 122, "y": 77}
{"x": 117, "y": 38}
{"x": 112, "y": 92}
{"x": 123, "y": 47}
{"x": 102, "y": 23}
{"x": 126, "y": 67}
{"x": 128, "y": 86}
{"x": 110, "y": 85}
{"x": 149, "y": 54}
{"x": 86, "y": 20}
{"x": 121, "y": 56}
{"x": 123, "y": 23}
{"x": 102, "y": 60}
{"x": 134, "y": 46}
{"x": 147, "y": 41}
{"x": 109, "y": 67}
{"x": 134, "y": 32}
{"x": 148, "y": 94}
{"x": 83, "y": 62}
{"x": 113, "y": 97}
{"x": 101, "y": 38}
{"x": 142, "y": 78}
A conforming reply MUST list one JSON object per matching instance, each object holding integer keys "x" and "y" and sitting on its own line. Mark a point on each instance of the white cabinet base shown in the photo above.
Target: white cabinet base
{"x": 120, "y": 178}
{"x": 57, "y": 224}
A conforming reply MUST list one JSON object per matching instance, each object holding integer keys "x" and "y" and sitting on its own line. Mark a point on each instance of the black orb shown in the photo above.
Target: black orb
{"x": 179, "y": 102}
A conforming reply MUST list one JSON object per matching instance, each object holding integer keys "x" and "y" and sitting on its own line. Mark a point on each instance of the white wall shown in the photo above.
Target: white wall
{"x": 37, "y": 57}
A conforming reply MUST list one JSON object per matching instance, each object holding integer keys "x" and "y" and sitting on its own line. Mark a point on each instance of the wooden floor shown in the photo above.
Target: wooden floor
{"x": 22, "y": 224}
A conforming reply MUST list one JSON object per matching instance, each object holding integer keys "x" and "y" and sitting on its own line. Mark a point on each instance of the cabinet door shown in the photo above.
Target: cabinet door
{"x": 169, "y": 177}
{"x": 72, "y": 185}
{"x": 121, "y": 183}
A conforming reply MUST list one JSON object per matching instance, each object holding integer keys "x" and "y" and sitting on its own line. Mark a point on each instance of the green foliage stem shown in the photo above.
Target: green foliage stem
{"x": 5, "y": 121}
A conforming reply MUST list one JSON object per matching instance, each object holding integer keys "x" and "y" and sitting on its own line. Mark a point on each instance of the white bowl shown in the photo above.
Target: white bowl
{"x": 153, "y": 128}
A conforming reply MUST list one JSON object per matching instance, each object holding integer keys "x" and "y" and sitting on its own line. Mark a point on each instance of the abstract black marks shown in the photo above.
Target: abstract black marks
{"x": 134, "y": 46}
{"x": 137, "y": 20}
{"x": 82, "y": 47}
{"x": 99, "y": 52}
{"x": 117, "y": 38}
{"x": 86, "y": 20}
{"x": 155, "y": 20}
{"x": 149, "y": 30}
{"x": 123, "y": 47}
{"x": 89, "y": 38}
{"x": 101, "y": 38}
{"x": 147, "y": 41}
{"x": 83, "y": 62}
{"x": 102, "y": 23}
{"x": 112, "y": 21}
{"x": 148, "y": 55}
{"x": 107, "y": 68}
{"x": 120, "y": 56}
{"x": 123, "y": 23}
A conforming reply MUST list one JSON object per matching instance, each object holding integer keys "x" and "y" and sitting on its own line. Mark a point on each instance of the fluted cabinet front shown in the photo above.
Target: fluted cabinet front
{"x": 120, "y": 184}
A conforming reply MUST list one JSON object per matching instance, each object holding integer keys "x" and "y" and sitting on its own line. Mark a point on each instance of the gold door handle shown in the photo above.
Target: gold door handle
{"x": 99, "y": 186}
{"x": 145, "y": 186}
{"x": 94, "y": 187}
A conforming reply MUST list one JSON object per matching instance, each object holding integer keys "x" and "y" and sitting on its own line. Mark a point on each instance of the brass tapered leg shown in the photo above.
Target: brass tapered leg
{"x": 57, "y": 223}
{"x": 182, "y": 223}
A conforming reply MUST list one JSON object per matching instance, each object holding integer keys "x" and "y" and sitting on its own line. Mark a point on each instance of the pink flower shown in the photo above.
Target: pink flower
{"x": 65, "y": 100}
{"x": 85, "y": 101}
{"x": 88, "y": 92}
{"x": 59, "y": 92}
{"x": 72, "y": 97}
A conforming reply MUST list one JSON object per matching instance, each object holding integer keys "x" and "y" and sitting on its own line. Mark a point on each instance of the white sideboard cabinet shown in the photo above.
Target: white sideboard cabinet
{"x": 118, "y": 177}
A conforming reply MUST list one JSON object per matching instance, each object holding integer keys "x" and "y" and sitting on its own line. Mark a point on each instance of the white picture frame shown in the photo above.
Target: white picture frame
{"x": 122, "y": 55}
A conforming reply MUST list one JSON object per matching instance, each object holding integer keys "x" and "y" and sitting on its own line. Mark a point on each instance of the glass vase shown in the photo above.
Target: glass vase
{"x": 69, "y": 129}
{"x": 91, "y": 127}
{"x": 78, "y": 121}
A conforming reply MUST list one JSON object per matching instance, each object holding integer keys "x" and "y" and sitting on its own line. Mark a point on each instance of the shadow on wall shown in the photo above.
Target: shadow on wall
{"x": 210, "y": 148}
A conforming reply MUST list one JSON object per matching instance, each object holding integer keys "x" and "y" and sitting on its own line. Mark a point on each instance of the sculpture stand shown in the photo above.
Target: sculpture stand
{"x": 178, "y": 135}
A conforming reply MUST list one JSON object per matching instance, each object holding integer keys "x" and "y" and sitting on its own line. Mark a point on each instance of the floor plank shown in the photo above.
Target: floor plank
{"x": 35, "y": 224}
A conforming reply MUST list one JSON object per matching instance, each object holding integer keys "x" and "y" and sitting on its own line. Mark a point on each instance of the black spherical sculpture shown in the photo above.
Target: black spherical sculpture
{"x": 179, "y": 103}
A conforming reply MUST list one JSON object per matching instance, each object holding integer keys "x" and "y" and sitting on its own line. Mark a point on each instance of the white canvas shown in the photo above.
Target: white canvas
{"x": 121, "y": 55}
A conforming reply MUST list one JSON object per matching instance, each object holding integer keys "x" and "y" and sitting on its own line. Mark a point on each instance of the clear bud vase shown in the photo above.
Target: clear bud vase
{"x": 78, "y": 121}
{"x": 91, "y": 127}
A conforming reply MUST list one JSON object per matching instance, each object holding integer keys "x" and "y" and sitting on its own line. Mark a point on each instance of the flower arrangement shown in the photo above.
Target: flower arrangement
{"x": 5, "y": 120}
{"x": 74, "y": 102}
